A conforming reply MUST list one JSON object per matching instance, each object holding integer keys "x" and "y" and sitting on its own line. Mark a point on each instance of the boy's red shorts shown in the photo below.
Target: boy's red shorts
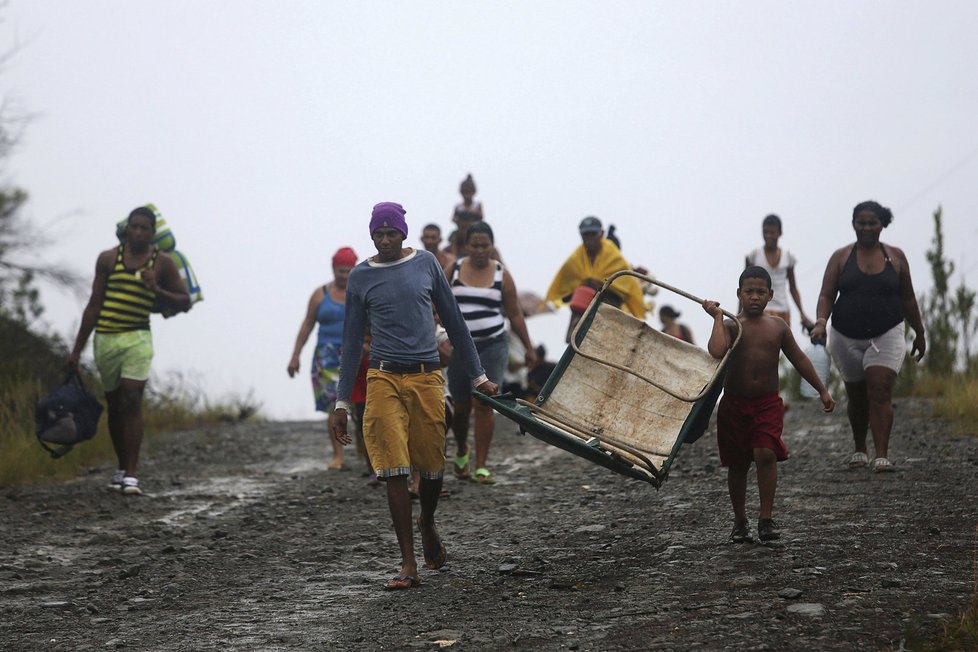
{"x": 744, "y": 424}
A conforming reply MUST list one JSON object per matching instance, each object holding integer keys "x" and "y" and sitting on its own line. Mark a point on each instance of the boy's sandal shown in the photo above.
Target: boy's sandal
{"x": 883, "y": 465}
{"x": 460, "y": 466}
{"x": 858, "y": 461}
{"x": 483, "y": 476}
{"x": 401, "y": 582}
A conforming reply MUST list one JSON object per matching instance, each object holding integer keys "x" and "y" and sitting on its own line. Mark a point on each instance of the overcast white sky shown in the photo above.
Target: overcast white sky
{"x": 265, "y": 131}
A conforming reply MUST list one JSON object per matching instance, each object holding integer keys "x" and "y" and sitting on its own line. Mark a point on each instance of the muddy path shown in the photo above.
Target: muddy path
{"x": 244, "y": 541}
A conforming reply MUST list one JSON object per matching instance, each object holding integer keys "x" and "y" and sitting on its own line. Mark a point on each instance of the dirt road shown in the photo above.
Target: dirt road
{"x": 244, "y": 541}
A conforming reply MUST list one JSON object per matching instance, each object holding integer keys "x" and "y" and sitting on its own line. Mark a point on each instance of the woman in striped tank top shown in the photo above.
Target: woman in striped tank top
{"x": 486, "y": 295}
{"x": 129, "y": 279}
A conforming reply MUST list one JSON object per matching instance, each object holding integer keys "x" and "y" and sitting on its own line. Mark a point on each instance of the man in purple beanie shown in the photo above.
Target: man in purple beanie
{"x": 404, "y": 422}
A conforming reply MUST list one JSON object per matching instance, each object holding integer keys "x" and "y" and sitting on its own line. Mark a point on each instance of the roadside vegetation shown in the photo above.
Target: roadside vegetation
{"x": 31, "y": 366}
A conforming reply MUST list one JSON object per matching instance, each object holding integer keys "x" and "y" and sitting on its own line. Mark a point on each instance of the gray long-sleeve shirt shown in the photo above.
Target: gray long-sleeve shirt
{"x": 396, "y": 299}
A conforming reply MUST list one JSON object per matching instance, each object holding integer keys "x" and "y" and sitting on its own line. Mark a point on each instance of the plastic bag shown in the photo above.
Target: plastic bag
{"x": 822, "y": 363}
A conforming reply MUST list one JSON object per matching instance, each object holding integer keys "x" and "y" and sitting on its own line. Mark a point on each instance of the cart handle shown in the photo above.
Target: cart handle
{"x": 593, "y": 307}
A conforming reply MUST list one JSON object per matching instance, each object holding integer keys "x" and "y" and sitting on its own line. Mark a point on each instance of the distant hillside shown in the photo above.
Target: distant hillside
{"x": 25, "y": 355}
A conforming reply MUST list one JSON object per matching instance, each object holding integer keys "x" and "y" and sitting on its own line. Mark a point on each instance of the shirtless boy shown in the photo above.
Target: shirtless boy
{"x": 750, "y": 415}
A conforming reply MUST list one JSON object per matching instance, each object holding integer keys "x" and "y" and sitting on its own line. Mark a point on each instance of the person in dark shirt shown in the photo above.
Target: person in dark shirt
{"x": 395, "y": 292}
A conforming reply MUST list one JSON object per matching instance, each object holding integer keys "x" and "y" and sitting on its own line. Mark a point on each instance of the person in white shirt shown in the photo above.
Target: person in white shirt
{"x": 780, "y": 264}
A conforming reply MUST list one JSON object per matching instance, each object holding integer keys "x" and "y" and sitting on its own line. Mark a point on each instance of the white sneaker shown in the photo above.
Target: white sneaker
{"x": 116, "y": 481}
{"x": 130, "y": 486}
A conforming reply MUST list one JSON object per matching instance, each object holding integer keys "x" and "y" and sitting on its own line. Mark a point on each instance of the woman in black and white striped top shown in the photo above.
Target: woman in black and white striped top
{"x": 486, "y": 294}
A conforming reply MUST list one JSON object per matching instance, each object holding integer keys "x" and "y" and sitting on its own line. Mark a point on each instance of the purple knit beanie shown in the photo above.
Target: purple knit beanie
{"x": 388, "y": 214}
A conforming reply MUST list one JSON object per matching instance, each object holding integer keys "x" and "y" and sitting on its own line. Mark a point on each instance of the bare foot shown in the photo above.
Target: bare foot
{"x": 432, "y": 547}
{"x": 336, "y": 464}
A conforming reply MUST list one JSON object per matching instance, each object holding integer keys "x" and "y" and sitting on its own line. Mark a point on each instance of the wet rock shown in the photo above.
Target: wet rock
{"x": 506, "y": 569}
{"x": 132, "y": 571}
{"x": 789, "y": 594}
{"x": 58, "y": 604}
{"x": 890, "y": 583}
{"x": 807, "y": 609}
{"x": 443, "y": 635}
{"x": 563, "y": 585}
{"x": 595, "y": 527}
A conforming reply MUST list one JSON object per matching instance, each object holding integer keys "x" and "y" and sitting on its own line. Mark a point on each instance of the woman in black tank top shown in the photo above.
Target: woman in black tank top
{"x": 868, "y": 292}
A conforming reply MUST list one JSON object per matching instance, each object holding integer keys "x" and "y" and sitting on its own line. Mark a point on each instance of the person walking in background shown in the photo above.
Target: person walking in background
{"x": 668, "y": 317}
{"x": 431, "y": 240}
{"x": 129, "y": 279}
{"x": 326, "y": 306}
{"x": 868, "y": 292}
{"x": 585, "y": 271}
{"x": 750, "y": 418}
{"x": 395, "y": 292}
{"x": 780, "y": 264}
{"x": 486, "y": 295}
{"x": 465, "y": 214}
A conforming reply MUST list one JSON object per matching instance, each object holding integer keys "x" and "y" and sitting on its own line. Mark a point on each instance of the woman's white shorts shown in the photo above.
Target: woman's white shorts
{"x": 853, "y": 357}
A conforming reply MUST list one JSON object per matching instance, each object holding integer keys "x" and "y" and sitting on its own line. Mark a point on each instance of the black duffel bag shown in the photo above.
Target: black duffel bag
{"x": 67, "y": 416}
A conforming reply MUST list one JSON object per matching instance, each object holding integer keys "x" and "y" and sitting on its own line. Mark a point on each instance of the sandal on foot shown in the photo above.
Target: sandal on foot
{"x": 858, "y": 460}
{"x": 767, "y": 530}
{"x": 883, "y": 465}
{"x": 483, "y": 476}
{"x": 399, "y": 582}
{"x": 460, "y": 466}
{"x": 438, "y": 560}
{"x": 741, "y": 533}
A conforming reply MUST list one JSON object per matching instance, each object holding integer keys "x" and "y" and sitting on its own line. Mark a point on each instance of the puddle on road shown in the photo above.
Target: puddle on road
{"x": 218, "y": 496}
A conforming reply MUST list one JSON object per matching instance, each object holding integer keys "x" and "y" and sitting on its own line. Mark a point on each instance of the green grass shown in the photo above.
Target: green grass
{"x": 171, "y": 403}
{"x": 955, "y": 399}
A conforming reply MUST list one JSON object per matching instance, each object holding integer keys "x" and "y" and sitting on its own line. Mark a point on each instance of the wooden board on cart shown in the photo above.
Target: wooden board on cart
{"x": 624, "y": 394}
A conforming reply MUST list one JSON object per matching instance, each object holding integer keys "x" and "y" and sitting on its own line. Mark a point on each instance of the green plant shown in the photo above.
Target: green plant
{"x": 963, "y": 308}
{"x": 941, "y": 336}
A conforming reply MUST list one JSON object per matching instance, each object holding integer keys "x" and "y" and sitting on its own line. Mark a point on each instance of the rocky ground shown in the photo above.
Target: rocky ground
{"x": 245, "y": 541}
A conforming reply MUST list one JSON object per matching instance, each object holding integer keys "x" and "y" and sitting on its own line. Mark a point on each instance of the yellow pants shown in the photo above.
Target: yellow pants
{"x": 404, "y": 423}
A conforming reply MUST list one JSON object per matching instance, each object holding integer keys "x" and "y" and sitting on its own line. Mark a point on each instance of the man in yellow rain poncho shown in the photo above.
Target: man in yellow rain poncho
{"x": 595, "y": 260}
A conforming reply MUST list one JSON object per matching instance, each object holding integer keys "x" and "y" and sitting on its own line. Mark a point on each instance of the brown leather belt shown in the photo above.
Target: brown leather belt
{"x": 400, "y": 368}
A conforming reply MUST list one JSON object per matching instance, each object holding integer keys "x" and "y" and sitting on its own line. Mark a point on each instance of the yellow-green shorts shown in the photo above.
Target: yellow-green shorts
{"x": 123, "y": 355}
{"x": 404, "y": 423}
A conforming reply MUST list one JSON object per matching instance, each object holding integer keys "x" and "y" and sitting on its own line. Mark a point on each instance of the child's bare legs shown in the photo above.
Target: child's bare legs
{"x": 767, "y": 479}
{"x": 337, "y": 461}
{"x": 460, "y": 426}
{"x": 361, "y": 446}
{"x": 485, "y": 422}
{"x": 737, "y": 485}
